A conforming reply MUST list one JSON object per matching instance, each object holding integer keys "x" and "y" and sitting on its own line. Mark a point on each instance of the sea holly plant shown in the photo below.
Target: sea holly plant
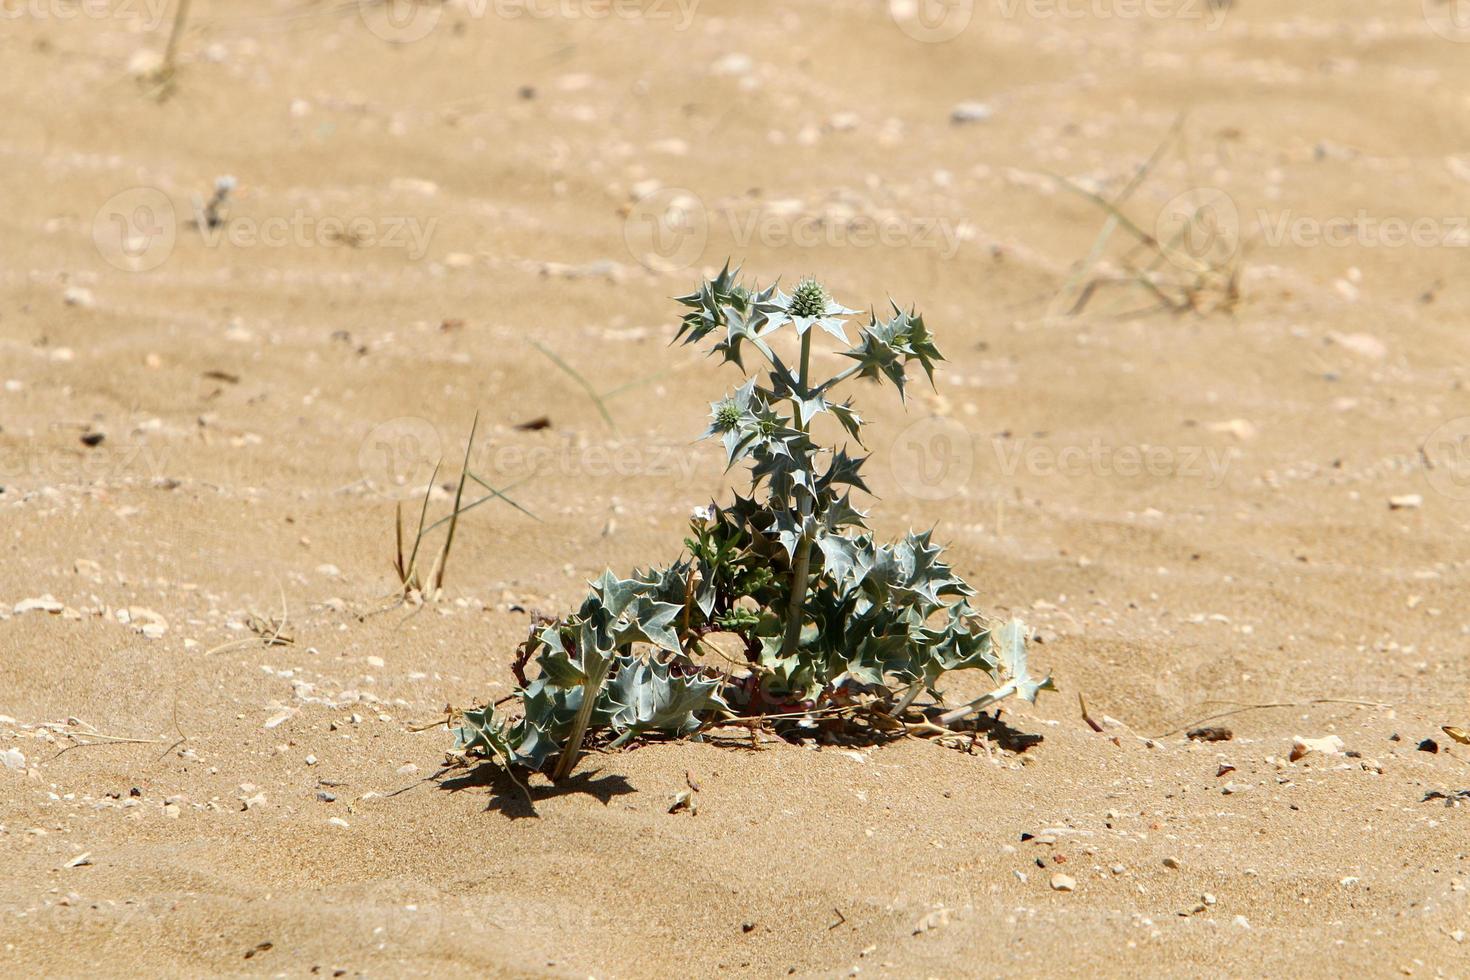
{"x": 783, "y": 609}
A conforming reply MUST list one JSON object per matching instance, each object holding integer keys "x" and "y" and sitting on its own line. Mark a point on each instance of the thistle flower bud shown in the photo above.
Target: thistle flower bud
{"x": 727, "y": 416}
{"x": 809, "y": 298}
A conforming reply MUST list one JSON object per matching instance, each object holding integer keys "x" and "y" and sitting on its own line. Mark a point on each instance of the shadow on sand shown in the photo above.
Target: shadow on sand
{"x": 516, "y": 800}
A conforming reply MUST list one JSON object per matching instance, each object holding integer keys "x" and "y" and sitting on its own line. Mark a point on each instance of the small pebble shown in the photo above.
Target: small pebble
{"x": 1328, "y": 745}
{"x": 734, "y": 63}
{"x": 970, "y": 112}
{"x": 1362, "y": 344}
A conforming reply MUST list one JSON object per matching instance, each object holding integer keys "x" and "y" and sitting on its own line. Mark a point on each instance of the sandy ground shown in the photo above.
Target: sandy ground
{"x": 1193, "y": 510}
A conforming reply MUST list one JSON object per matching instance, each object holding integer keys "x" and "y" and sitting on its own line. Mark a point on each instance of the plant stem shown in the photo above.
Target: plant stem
{"x": 803, "y": 560}
{"x": 907, "y": 699}
{"x": 798, "y": 597}
{"x": 839, "y": 378}
{"x": 806, "y": 357}
{"x": 591, "y": 687}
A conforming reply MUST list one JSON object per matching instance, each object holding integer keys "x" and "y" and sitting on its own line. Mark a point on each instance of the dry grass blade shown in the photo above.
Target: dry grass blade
{"x": 1111, "y": 224}
{"x": 406, "y": 567}
{"x": 464, "y": 474}
{"x": 581, "y": 383}
{"x": 163, "y": 77}
{"x": 398, "y": 562}
{"x": 600, "y": 400}
{"x": 1193, "y": 285}
{"x": 499, "y": 494}
{"x": 494, "y": 494}
{"x": 272, "y": 629}
{"x": 408, "y": 571}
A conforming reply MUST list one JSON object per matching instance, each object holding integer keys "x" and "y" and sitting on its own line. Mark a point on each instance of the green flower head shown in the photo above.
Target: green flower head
{"x": 809, "y": 298}
{"x": 727, "y": 416}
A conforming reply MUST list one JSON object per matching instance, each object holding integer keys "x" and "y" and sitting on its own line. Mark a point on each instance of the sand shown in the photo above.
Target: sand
{"x": 1193, "y": 509}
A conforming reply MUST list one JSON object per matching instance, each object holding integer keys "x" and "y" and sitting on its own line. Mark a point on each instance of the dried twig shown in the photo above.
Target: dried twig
{"x": 1274, "y": 704}
{"x": 1082, "y": 704}
{"x": 100, "y": 738}
{"x": 268, "y": 631}
{"x": 1199, "y": 286}
{"x": 177, "y": 728}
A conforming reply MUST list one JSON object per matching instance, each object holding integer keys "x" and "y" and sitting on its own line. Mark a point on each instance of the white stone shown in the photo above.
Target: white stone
{"x": 970, "y": 112}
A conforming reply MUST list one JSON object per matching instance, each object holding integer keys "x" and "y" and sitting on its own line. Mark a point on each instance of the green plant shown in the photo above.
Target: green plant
{"x": 834, "y": 630}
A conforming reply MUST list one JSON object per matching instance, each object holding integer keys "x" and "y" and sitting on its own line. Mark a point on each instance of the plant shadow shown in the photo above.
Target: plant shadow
{"x": 518, "y": 800}
{"x": 1003, "y": 735}
{"x": 987, "y": 727}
